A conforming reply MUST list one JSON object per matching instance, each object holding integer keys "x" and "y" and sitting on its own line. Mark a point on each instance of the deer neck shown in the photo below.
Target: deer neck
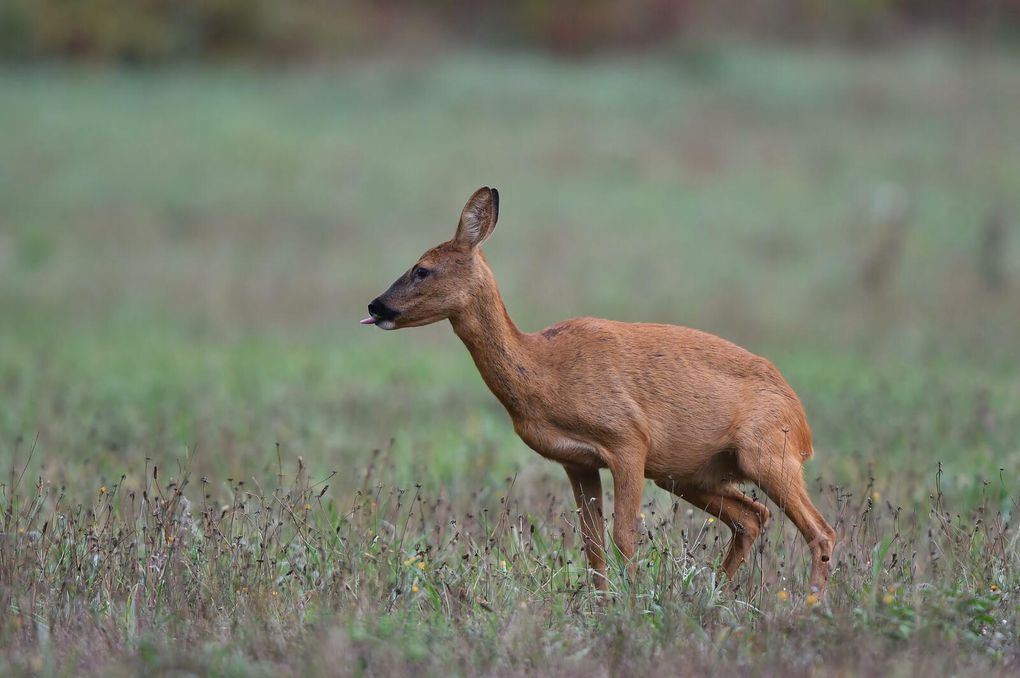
{"x": 499, "y": 349}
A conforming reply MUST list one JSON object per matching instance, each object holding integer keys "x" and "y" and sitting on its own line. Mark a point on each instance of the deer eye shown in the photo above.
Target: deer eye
{"x": 420, "y": 273}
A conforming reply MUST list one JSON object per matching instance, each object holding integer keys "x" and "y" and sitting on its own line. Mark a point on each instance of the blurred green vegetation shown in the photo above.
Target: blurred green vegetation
{"x": 184, "y": 253}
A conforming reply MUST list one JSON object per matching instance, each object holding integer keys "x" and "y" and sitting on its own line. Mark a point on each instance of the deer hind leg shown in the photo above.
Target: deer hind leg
{"x": 745, "y": 517}
{"x": 780, "y": 475}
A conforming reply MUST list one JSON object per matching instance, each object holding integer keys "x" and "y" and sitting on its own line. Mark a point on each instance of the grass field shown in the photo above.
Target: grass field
{"x": 213, "y": 468}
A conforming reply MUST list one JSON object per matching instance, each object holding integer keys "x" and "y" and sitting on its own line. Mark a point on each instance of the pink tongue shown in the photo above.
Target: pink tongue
{"x": 368, "y": 321}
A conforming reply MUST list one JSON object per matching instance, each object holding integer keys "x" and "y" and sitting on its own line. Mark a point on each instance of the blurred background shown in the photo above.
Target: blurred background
{"x": 199, "y": 197}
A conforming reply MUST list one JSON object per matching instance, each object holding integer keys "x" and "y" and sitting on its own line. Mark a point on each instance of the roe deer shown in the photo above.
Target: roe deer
{"x": 692, "y": 412}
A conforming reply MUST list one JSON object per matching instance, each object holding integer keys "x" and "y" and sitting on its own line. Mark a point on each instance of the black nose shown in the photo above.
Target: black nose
{"x": 381, "y": 311}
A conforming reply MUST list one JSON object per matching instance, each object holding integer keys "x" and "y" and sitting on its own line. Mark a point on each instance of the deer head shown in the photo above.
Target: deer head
{"x": 446, "y": 277}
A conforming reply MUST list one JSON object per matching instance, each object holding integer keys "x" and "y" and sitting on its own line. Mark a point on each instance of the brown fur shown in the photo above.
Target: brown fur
{"x": 692, "y": 412}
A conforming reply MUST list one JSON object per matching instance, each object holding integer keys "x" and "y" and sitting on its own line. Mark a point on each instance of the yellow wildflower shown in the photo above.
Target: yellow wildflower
{"x": 421, "y": 565}
{"x": 783, "y": 596}
{"x": 414, "y": 589}
{"x": 811, "y": 600}
{"x": 888, "y": 598}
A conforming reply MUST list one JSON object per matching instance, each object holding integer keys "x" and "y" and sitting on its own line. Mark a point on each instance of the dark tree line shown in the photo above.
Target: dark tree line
{"x": 160, "y": 30}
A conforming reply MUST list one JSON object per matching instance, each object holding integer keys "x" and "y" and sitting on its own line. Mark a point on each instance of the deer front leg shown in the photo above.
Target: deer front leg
{"x": 628, "y": 484}
{"x": 587, "y": 487}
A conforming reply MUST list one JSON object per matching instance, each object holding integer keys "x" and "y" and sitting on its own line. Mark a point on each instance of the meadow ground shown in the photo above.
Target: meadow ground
{"x": 213, "y": 468}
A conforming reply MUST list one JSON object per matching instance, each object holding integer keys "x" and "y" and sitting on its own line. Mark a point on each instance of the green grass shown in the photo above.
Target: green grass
{"x": 184, "y": 255}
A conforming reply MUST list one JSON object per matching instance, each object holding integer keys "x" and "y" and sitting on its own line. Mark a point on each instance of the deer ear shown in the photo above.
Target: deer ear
{"x": 478, "y": 219}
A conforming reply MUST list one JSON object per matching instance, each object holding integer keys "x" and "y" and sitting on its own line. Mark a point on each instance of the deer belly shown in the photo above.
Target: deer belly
{"x": 554, "y": 445}
{"x": 682, "y": 448}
